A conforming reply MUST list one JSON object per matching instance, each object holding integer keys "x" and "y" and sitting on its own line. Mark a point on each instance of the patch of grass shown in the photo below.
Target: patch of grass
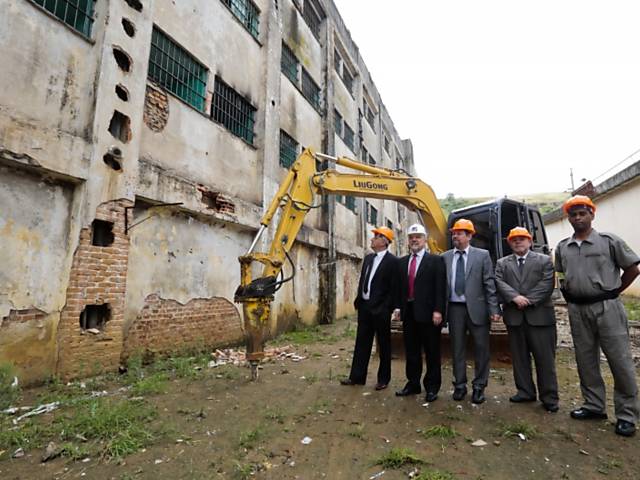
{"x": 274, "y": 414}
{"x": 153, "y": 384}
{"x": 228, "y": 372}
{"x": 632, "y": 305}
{"x": 349, "y": 331}
{"x": 513, "y": 429}
{"x": 243, "y": 471}
{"x": 321, "y": 405}
{"x": 306, "y": 336}
{"x": 434, "y": 475}
{"x": 311, "y": 378}
{"x": 440, "y": 431}
{"x": 249, "y": 438}
{"x": 357, "y": 431}
{"x": 8, "y": 394}
{"x": 111, "y": 429}
{"x": 399, "y": 457}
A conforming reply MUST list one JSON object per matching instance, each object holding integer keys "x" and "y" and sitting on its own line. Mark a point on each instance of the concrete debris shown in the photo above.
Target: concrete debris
{"x": 376, "y": 475}
{"x": 19, "y": 453}
{"x": 94, "y": 331}
{"x": 14, "y": 384}
{"x": 479, "y": 443}
{"x": 306, "y": 440}
{"x": 522, "y": 437}
{"x": 583, "y": 452}
{"x": 230, "y": 356}
{"x": 14, "y": 410}
{"x": 52, "y": 451}
{"x": 39, "y": 410}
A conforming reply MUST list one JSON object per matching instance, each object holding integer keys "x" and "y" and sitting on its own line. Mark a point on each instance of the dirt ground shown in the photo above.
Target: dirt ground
{"x": 221, "y": 425}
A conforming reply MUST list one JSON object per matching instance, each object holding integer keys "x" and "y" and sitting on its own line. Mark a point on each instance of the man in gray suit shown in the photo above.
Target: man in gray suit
{"x": 472, "y": 305}
{"x": 524, "y": 281}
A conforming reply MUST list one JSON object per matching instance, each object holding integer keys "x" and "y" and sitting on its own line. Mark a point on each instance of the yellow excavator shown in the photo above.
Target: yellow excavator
{"x": 296, "y": 197}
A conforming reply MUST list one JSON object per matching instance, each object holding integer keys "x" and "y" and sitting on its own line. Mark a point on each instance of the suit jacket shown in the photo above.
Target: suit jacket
{"x": 480, "y": 287}
{"x": 535, "y": 283}
{"x": 429, "y": 288}
{"x": 383, "y": 284}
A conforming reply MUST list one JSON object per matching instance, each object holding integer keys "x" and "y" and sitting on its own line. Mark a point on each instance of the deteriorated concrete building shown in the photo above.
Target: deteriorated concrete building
{"x": 139, "y": 143}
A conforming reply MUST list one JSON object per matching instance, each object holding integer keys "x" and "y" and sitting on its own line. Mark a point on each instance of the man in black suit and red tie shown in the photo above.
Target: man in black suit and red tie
{"x": 421, "y": 305}
{"x": 374, "y": 303}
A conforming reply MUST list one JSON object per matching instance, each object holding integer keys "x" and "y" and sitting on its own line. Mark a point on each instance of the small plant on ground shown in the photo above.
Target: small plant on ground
{"x": 434, "y": 475}
{"x": 249, "y": 438}
{"x": 9, "y": 392}
{"x": 274, "y": 414}
{"x": 153, "y": 384}
{"x": 357, "y": 431}
{"x": 440, "y": 431}
{"x": 519, "y": 427}
{"x": 399, "y": 457}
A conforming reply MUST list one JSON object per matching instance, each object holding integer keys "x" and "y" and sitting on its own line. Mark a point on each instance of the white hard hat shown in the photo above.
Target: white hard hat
{"x": 416, "y": 228}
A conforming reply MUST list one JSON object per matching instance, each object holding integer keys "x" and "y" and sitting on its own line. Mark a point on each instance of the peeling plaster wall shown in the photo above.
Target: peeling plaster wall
{"x": 35, "y": 235}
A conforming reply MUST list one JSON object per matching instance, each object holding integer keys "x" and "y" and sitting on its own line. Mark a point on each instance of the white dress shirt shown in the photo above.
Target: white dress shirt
{"x": 374, "y": 266}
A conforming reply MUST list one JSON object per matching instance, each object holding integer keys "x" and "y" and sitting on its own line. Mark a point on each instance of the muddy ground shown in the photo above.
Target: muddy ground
{"x": 218, "y": 425}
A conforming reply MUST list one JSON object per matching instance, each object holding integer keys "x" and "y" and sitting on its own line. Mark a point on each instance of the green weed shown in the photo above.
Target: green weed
{"x": 358, "y": 431}
{"x": 274, "y": 414}
{"x": 513, "y": 429}
{"x": 399, "y": 457}
{"x": 153, "y": 384}
{"x": 632, "y": 305}
{"x": 249, "y": 438}
{"x": 440, "y": 431}
{"x": 434, "y": 475}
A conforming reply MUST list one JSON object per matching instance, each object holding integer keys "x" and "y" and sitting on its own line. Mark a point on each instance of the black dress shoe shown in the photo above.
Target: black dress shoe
{"x": 478, "y": 396}
{"x": 381, "y": 386}
{"x": 586, "y": 414}
{"x": 348, "y": 381}
{"x": 626, "y": 429}
{"x": 517, "y": 398}
{"x": 459, "y": 393}
{"x": 551, "y": 407}
{"x": 431, "y": 397}
{"x": 407, "y": 390}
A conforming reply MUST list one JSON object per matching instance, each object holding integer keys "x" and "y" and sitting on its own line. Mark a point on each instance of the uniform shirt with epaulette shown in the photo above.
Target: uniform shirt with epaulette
{"x": 592, "y": 267}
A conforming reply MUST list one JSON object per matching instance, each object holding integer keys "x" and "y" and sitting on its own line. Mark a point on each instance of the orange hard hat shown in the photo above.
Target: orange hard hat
{"x": 387, "y": 232}
{"x": 519, "y": 232}
{"x": 578, "y": 200}
{"x": 463, "y": 224}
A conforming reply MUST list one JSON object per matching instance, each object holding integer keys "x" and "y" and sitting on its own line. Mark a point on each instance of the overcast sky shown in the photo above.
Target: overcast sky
{"x": 505, "y": 96}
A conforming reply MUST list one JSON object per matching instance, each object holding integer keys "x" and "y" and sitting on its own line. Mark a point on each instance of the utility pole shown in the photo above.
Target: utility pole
{"x": 572, "y": 185}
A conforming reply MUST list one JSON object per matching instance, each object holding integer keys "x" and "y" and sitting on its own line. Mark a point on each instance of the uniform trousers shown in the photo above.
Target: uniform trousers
{"x": 604, "y": 325}
{"x": 459, "y": 324}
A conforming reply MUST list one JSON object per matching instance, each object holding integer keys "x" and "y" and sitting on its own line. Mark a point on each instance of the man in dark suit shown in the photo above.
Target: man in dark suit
{"x": 421, "y": 304}
{"x": 472, "y": 306}
{"x": 524, "y": 281}
{"x": 374, "y": 303}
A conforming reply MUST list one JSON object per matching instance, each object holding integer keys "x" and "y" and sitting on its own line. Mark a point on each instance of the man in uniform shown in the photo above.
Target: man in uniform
{"x": 472, "y": 306}
{"x": 588, "y": 265}
{"x": 420, "y": 305}
{"x": 374, "y": 303}
{"x": 524, "y": 281}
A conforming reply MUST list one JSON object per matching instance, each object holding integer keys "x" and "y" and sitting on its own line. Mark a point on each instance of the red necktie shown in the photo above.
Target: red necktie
{"x": 412, "y": 274}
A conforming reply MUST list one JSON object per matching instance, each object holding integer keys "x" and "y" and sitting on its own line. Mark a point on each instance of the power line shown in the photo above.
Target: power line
{"x": 616, "y": 165}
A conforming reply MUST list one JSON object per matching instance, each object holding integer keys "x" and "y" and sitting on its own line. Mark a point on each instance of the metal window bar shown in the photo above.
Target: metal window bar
{"x": 289, "y": 64}
{"x": 78, "y": 14}
{"x": 337, "y": 121}
{"x": 310, "y": 89}
{"x": 348, "y": 136}
{"x": 175, "y": 69}
{"x": 247, "y": 12}
{"x": 233, "y": 111}
{"x": 312, "y": 18}
{"x": 288, "y": 149}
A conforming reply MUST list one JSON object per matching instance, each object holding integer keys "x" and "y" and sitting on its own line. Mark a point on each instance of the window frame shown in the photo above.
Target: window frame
{"x": 245, "y": 22}
{"x": 90, "y": 14}
{"x": 238, "y": 98}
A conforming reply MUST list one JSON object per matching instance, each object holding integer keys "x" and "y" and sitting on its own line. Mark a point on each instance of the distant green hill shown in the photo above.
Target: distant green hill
{"x": 546, "y": 202}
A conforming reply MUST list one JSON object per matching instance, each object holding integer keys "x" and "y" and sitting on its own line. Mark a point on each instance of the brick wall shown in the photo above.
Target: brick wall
{"x": 156, "y": 108}
{"x": 166, "y": 326}
{"x": 22, "y": 316}
{"x": 98, "y": 276}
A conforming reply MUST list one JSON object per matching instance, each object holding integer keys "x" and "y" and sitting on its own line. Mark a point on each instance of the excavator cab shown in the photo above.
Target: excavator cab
{"x": 493, "y": 220}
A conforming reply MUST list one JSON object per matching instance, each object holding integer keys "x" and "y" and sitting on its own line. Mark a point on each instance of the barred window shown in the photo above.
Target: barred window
{"x": 247, "y": 12}
{"x": 313, "y": 16}
{"x": 386, "y": 144}
{"x": 372, "y": 214}
{"x": 337, "y": 119}
{"x": 347, "y": 78}
{"x": 175, "y": 69}
{"x": 233, "y": 111}
{"x": 310, "y": 90}
{"x": 78, "y": 14}
{"x": 369, "y": 115}
{"x": 348, "y": 136}
{"x": 364, "y": 154}
{"x": 289, "y": 64}
{"x": 288, "y": 149}
{"x": 350, "y": 203}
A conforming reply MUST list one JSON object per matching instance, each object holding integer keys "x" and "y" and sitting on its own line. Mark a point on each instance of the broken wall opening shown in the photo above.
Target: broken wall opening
{"x": 95, "y": 317}
{"x": 122, "y": 59}
{"x": 120, "y": 126}
{"x": 102, "y": 233}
